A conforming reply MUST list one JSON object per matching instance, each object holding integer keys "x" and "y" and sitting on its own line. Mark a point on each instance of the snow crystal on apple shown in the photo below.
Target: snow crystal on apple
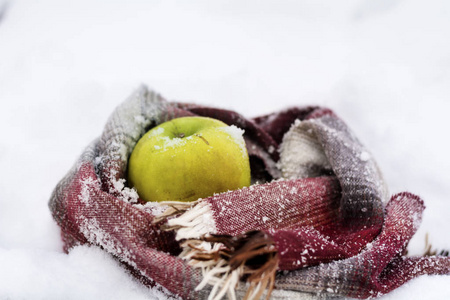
{"x": 174, "y": 142}
{"x": 156, "y": 132}
{"x": 236, "y": 134}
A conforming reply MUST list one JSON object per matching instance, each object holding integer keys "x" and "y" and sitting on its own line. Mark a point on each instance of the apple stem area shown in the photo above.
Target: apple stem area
{"x": 182, "y": 135}
{"x": 202, "y": 139}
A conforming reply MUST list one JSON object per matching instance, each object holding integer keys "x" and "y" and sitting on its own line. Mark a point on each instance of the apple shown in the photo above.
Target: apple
{"x": 189, "y": 158}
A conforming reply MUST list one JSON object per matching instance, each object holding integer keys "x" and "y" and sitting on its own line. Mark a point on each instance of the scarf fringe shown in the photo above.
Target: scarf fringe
{"x": 225, "y": 260}
{"x": 429, "y": 251}
{"x": 194, "y": 223}
{"x": 173, "y": 208}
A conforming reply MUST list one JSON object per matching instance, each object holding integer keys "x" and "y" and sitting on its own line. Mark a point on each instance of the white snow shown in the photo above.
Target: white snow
{"x": 155, "y": 132}
{"x": 236, "y": 134}
{"x": 173, "y": 142}
{"x": 383, "y": 66}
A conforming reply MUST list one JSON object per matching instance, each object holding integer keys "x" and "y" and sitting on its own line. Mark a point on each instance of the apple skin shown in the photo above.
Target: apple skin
{"x": 189, "y": 158}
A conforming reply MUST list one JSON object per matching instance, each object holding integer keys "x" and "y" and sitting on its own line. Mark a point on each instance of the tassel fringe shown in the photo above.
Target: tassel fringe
{"x": 430, "y": 252}
{"x": 225, "y": 260}
{"x": 174, "y": 208}
{"x": 194, "y": 223}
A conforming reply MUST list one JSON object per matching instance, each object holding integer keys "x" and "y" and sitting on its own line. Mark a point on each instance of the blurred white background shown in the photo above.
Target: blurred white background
{"x": 383, "y": 66}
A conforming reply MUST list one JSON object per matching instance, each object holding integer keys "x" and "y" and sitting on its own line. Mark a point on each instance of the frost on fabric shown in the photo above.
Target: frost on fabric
{"x": 93, "y": 232}
{"x": 354, "y": 160}
{"x": 272, "y": 205}
{"x": 86, "y": 186}
{"x": 124, "y": 128}
{"x": 325, "y": 146}
{"x": 154, "y": 208}
{"x": 118, "y": 188}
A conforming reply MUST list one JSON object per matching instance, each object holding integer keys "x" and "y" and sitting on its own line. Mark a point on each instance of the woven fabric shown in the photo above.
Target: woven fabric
{"x": 302, "y": 216}
{"x": 339, "y": 223}
{"x": 380, "y": 267}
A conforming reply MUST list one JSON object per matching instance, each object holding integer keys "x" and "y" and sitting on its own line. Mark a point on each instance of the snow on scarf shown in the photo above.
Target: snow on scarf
{"x": 317, "y": 221}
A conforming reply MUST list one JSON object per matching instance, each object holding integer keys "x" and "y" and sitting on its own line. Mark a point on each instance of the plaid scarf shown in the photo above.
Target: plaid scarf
{"x": 317, "y": 221}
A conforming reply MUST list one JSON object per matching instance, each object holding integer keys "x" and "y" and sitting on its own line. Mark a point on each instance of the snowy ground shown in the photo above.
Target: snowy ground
{"x": 382, "y": 65}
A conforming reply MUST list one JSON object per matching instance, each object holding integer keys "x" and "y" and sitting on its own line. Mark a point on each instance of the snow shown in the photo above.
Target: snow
{"x": 40, "y": 274}
{"x": 383, "y": 66}
{"x": 236, "y": 134}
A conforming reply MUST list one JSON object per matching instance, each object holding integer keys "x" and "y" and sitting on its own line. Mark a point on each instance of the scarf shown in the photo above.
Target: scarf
{"x": 317, "y": 221}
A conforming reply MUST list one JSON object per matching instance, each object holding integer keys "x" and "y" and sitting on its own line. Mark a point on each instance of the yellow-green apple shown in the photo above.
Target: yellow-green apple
{"x": 189, "y": 158}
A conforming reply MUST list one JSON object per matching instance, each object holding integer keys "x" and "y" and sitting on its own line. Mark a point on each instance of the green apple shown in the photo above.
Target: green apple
{"x": 189, "y": 158}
